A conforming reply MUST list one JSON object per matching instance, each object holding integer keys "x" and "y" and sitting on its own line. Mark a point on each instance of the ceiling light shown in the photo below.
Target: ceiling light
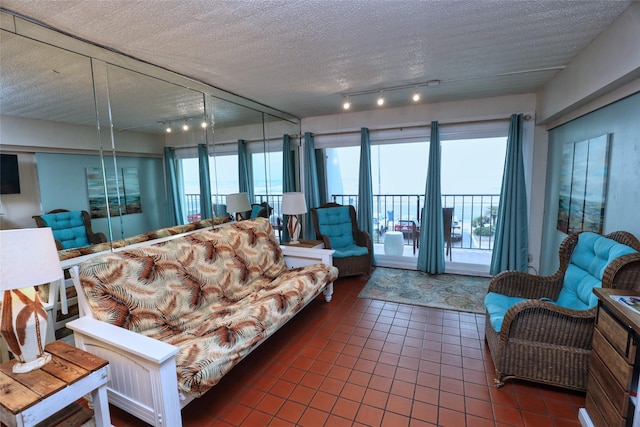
{"x": 416, "y": 97}
{"x": 185, "y": 126}
{"x": 204, "y": 125}
{"x": 347, "y": 104}
{"x": 168, "y": 129}
{"x": 380, "y": 100}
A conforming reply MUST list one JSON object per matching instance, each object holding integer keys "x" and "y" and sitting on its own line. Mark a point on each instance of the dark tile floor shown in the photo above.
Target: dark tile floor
{"x": 361, "y": 362}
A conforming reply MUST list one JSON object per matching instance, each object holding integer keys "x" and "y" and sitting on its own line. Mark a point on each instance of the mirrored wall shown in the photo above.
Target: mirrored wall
{"x": 98, "y": 123}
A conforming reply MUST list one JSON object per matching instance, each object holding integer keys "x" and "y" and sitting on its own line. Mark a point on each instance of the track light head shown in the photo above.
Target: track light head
{"x": 347, "y": 104}
{"x": 416, "y": 97}
{"x": 380, "y": 100}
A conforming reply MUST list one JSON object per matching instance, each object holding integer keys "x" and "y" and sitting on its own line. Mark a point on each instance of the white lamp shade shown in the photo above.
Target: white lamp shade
{"x": 28, "y": 257}
{"x": 293, "y": 204}
{"x": 238, "y": 202}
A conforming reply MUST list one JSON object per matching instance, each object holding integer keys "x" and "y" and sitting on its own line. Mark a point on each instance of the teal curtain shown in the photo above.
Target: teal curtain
{"x": 431, "y": 252}
{"x": 321, "y": 170}
{"x": 311, "y": 189}
{"x": 176, "y": 215}
{"x": 365, "y": 186}
{"x": 511, "y": 242}
{"x": 206, "y": 210}
{"x": 245, "y": 181}
{"x": 288, "y": 179}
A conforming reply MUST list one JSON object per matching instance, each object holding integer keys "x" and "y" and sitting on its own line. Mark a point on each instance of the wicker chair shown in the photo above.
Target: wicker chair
{"x": 71, "y": 229}
{"x": 347, "y": 265}
{"x": 543, "y": 342}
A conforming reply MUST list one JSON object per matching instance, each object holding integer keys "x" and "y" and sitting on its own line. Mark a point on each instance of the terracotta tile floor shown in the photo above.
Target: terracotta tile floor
{"x": 360, "y": 362}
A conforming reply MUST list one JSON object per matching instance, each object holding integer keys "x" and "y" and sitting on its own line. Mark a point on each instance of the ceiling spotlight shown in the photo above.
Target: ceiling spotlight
{"x": 380, "y": 100}
{"x": 347, "y": 104}
{"x": 204, "y": 125}
{"x": 168, "y": 129}
{"x": 416, "y": 97}
{"x": 185, "y": 126}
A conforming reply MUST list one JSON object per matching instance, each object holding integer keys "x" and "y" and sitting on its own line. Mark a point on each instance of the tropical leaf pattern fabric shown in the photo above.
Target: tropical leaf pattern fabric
{"x": 215, "y": 294}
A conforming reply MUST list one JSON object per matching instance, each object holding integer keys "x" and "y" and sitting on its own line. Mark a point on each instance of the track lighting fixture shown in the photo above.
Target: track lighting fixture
{"x": 380, "y": 100}
{"x": 184, "y": 123}
{"x": 347, "y": 104}
{"x": 416, "y": 96}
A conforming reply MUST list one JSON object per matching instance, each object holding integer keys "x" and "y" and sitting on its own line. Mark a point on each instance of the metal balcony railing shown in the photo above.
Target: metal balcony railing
{"x": 473, "y": 223}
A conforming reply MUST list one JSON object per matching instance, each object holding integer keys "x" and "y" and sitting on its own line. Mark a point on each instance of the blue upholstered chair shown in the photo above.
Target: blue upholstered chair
{"x": 539, "y": 328}
{"x": 71, "y": 229}
{"x": 337, "y": 227}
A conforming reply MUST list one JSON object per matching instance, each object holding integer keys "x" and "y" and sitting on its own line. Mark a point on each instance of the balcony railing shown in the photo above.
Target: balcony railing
{"x": 474, "y": 214}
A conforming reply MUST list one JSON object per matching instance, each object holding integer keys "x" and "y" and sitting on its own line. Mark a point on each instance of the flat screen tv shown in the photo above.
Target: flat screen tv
{"x": 9, "y": 177}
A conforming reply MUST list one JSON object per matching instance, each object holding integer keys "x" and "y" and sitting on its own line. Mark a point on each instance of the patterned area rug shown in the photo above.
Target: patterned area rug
{"x": 448, "y": 291}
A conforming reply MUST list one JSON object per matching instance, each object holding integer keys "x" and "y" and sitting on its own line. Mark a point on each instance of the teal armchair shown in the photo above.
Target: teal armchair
{"x": 337, "y": 227}
{"x": 71, "y": 229}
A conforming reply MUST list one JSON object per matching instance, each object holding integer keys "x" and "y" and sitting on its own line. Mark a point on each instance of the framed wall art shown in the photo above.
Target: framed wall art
{"x": 123, "y": 187}
{"x": 583, "y": 185}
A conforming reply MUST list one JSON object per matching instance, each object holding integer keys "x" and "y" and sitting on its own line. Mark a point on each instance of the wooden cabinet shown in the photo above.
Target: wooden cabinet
{"x": 612, "y": 386}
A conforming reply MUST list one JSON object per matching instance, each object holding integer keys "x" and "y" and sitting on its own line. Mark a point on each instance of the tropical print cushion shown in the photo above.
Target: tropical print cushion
{"x": 214, "y": 294}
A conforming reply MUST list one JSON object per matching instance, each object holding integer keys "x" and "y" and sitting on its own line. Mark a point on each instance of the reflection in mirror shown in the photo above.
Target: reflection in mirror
{"x": 147, "y": 113}
{"x": 47, "y": 110}
{"x": 50, "y": 116}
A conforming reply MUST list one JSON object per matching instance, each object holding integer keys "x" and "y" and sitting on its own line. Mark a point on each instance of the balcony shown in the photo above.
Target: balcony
{"x": 473, "y": 225}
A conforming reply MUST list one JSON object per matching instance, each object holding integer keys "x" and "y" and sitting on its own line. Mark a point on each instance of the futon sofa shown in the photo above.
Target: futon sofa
{"x": 174, "y": 317}
{"x": 539, "y": 328}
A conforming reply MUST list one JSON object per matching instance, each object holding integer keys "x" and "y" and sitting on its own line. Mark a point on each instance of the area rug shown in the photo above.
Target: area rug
{"x": 447, "y": 291}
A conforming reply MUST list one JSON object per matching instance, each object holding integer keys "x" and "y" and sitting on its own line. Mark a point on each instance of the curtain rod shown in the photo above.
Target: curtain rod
{"x": 378, "y": 129}
{"x": 414, "y": 126}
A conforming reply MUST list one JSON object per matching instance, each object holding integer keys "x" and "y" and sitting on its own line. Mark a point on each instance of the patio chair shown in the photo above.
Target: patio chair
{"x": 337, "y": 227}
{"x": 539, "y": 328}
{"x": 71, "y": 229}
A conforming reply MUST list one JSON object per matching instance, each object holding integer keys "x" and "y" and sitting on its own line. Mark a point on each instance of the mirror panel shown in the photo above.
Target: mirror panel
{"x": 49, "y": 109}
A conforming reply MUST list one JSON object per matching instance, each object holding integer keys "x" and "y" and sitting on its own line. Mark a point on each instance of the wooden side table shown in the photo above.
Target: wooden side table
{"x": 309, "y": 244}
{"x": 27, "y": 399}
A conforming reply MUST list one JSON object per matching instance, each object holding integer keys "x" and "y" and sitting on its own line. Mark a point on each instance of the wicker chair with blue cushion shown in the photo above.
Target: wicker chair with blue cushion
{"x": 539, "y": 328}
{"x": 71, "y": 229}
{"x": 337, "y": 227}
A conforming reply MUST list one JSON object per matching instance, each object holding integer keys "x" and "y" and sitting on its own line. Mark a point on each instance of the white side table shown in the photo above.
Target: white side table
{"x": 393, "y": 243}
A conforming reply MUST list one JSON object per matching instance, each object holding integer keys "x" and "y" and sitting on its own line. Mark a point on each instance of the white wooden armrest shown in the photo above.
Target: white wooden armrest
{"x": 123, "y": 339}
{"x": 143, "y": 370}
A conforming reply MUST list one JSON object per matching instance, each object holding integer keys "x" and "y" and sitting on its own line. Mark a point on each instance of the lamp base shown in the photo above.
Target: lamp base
{"x": 23, "y": 368}
{"x": 294, "y": 227}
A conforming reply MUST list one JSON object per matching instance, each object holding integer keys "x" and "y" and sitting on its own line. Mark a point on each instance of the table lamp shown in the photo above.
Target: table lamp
{"x": 294, "y": 204}
{"x": 28, "y": 258}
{"x": 238, "y": 203}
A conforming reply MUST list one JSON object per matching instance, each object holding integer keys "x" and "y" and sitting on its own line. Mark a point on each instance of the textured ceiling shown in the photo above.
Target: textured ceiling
{"x": 301, "y": 56}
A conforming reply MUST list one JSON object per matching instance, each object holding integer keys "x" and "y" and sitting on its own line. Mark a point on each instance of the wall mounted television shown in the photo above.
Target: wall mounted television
{"x": 9, "y": 176}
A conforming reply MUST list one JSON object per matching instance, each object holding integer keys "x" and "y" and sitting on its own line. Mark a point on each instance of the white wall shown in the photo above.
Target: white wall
{"x": 611, "y": 60}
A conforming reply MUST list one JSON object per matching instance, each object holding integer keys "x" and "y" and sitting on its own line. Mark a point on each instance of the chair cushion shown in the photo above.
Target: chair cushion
{"x": 255, "y": 211}
{"x": 68, "y": 228}
{"x": 351, "y": 250}
{"x": 497, "y": 306}
{"x": 590, "y": 258}
{"x": 335, "y": 223}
